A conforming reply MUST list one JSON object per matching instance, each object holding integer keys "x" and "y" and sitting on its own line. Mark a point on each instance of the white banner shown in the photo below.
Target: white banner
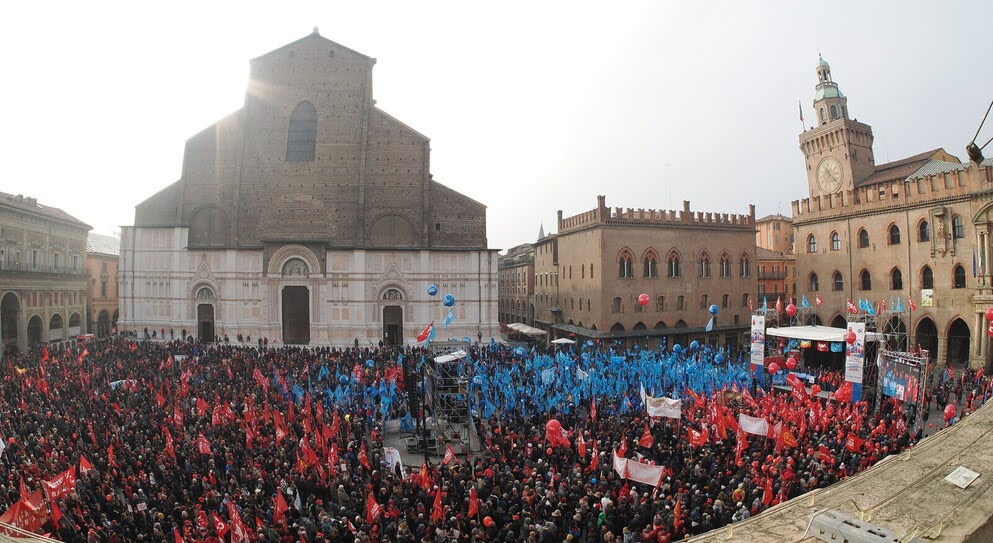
{"x": 638, "y": 472}
{"x": 855, "y": 359}
{"x": 663, "y": 407}
{"x": 753, "y": 425}
{"x": 758, "y": 341}
{"x": 392, "y": 458}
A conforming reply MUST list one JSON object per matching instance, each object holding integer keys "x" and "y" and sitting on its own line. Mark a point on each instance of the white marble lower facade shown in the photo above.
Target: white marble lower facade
{"x": 346, "y": 295}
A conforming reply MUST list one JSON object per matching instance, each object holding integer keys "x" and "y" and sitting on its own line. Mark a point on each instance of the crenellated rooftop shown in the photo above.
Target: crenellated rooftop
{"x": 933, "y": 182}
{"x": 603, "y": 215}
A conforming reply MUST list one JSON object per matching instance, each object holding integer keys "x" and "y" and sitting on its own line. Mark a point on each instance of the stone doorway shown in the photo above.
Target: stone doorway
{"x": 35, "y": 328}
{"x": 296, "y": 316}
{"x": 205, "y": 322}
{"x": 393, "y": 325}
{"x": 958, "y": 343}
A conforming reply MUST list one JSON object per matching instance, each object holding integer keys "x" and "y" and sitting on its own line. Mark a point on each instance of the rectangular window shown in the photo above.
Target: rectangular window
{"x": 34, "y": 259}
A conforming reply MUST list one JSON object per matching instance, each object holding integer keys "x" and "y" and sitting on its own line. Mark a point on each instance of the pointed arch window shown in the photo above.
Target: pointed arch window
{"x": 835, "y": 241}
{"x": 958, "y": 227}
{"x": 837, "y": 282}
{"x": 725, "y": 301}
{"x": 958, "y": 277}
{"x": 745, "y": 265}
{"x": 863, "y": 238}
{"x": 704, "y": 301}
{"x": 865, "y": 280}
{"x": 896, "y": 279}
{"x": 927, "y": 277}
{"x": 811, "y": 244}
{"x": 625, "y": 264}
{"x": 301, "y": 139}
{"x": 923, "y": 231}
{"x": 744, "y": 300}
{"x": 894, "y": 234}
{"x": 725, "y": 265}
{"x": 660, "y": 303}
{"x": 814, "y": 283}
{"x": 703, "y": 269}
{"x": 615, "y": 305}
{"x": 673, "y": 265}
{"x": 650, "y": 261}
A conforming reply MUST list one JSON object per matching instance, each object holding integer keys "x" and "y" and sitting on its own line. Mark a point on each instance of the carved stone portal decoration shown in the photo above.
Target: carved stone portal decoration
{"x": 205, "y": 294}
{"x": 295, "y": 267}
{"x": 393, "y": 294}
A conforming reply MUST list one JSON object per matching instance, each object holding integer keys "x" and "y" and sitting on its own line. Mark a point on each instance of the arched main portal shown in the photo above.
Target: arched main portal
{"x": 10, "y": 307}
{"x": 839, "y": 322}
{"x": 35, "y": 329}
{"x": 896, "y": 334}
{"x": 205, "y": 322}
{"x": 55, "y": 326}
{"x": 103, "y": 323}
{"x": 958, "y": 343}
{"x": 296, "y": 315}
{"x": 926, "y": 336}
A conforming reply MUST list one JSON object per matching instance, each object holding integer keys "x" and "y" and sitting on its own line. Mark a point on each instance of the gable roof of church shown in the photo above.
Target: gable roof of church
{"x": 312, "y": 36}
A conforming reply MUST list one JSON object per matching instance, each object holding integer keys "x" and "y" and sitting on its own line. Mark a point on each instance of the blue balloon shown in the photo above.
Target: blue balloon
{"x": 370, "y": 364}
{"x": 677, "y": 348}
{"x": 343, "y": 379}
{"x": 714, "y": 309}
{"x": 478, "y": 379}
{"x": 719, "y": 358}
{"x": 520, "y": 351}
{"x": 467, "y": 339}
{"x": 694, "y": 345}
{"x": 593, "y": 481}
{"x": 432, "y": 290}
{"x": 448, "y": 300}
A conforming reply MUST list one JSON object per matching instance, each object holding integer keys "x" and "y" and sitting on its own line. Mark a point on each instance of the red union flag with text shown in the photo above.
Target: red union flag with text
{"x": 62, "y": 485}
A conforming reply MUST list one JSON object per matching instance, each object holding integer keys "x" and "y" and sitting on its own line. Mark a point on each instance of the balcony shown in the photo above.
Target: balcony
{"x": 771, "y": 276}
{"x": 19, "y": 267}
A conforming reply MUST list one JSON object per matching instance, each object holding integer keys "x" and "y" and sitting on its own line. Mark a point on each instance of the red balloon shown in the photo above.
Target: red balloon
{"x": 989, "y": 313}
{"x": 949, "y": 412}
{"x": 816, "y": 389}
{"x": 850, "y": 337}
{"x": 487, "y": 521}
{"x": 643, "y": 299}
{"x": 791, "y": 310}
{"x": 791, "y": 363}
{"x": 774, "y": 368}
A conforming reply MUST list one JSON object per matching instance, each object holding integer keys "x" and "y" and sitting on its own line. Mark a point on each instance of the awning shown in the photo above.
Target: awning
{"x": 450, "y": 357}
{"x": 817, "y": 333}
{"x": 650, "y": 332}
{"x": 563, "y": 341}
{"x": 526, "y": 330}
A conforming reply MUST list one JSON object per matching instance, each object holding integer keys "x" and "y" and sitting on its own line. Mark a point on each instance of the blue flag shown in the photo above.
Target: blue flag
{"x": 804, "y": 302}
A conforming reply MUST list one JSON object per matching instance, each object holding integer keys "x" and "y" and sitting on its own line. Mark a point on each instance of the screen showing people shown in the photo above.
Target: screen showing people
{"x": 900, "y": 380}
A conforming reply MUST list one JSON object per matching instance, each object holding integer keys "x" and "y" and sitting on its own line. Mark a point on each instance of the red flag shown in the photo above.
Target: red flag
{"x": 56, "y": 512}
{"x": 818, "y": 301}
{"x": 437, "y": 510}
{"x": 111, "y": 459}
{"x": 176, "y": 535}
{"x": 853, "y": 443}
{"x": 799, "y": 389}
{"x": 239, "y": 532}
{"x": 423, "y": 336}
{"x": 593, "y": 409}
{"x": 473, "y": 502}
{"x": 824, "y": 454}
{"x": 44, "y": 353}
{"x": 767, "y": 494}
{"x": 25, "y": 493}
{"x": 741, "y": 446}
{"x": 425, "y": 477}
{"x": 698, "y": 439}
{"x": 61, "y": 486}
{"x": 201, "y": 406}
{"x": 950, "y": 372}
{"x": 911, "y": 304}
{"x": 373, "y": 509}
{"x": 449, "y": 455}
{"x": 750, "y": 304}
{"x": 882, "y": 305}
{"x": 203, "y": 445}
{"x": 219, "y": 526}
{"x": 280, "y": 508}
{"x": 623, "y": 450}
{"x": 646, "y": 438}
{"x": 677, "y": 514}
{"x": 363, "y": 457}
{"x": 595, "y": 461}
{"x": 779, "y": 304}
{"x": 788, "y": 439}
{"x": 581, "y": 446}
{"x": 852, "y": 308}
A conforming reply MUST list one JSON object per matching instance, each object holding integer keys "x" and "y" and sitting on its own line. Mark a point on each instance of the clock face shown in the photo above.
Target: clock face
{"x": 829, "y": 175}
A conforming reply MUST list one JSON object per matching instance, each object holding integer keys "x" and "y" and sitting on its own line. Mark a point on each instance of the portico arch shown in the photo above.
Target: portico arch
{"x": 286, "y": 253}
{"x": 10, "y": 308}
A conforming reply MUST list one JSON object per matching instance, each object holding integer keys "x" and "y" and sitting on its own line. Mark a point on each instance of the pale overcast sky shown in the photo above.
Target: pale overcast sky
{"x": 531, "y": 106}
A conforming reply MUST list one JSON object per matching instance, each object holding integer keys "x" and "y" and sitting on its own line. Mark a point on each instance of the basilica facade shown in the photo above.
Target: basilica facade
{"x": 308, "y": 216}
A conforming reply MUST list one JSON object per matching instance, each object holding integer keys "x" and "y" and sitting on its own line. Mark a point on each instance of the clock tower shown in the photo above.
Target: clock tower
{"x": 838, "y": 151}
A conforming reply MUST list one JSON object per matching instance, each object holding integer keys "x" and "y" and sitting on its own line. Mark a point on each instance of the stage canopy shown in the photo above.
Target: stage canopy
{"x": 563, "y": 341}
{"x": 450, "y": 357}
{"x": 817, "y": 333}
{"x": 526, "y": 330}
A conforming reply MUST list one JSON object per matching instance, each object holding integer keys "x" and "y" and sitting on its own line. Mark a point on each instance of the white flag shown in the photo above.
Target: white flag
{"x": 663, "y": 407}
{"x": 753, "y": 425}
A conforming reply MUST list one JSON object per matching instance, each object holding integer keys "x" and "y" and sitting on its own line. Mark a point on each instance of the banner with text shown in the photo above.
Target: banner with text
{"x": 855, "y": 359}
{"x": 758, "y": 342}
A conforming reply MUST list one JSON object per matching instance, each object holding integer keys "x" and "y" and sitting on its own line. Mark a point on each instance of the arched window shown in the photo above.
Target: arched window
{"x": 660, "y": 303}
{"x": 835, "y": 241}
{"x": 651, "y": 263}
{"x": 958, "y": 277}
{"x": 615, "y": 305}
{"x": 927, "y": 277}
{"x": 958, "y": 227}
{"x": 625, "y": 264}
{"x": 703, "y": 269}
{"x": 302, "y": 137}
{"x": 814, "y": 283}
{"x": 744, "y": 300}
{"x": 811, "y": 244}
{"x": 863, "y": 238}
{"x": 704, "y": 301}
{"x": 725, "y": 301}
{"x": 923, "y": 231}
{"x": 896, "y": 279}
{"x": 745, "y": 265}
{"x": 680, "y": 303}
{"x": 673, "y": 265}
{"x": 725, "y": 265}
{"x": 837, "y": 282}
{"x": 834, "y": 112}
{"x": 865, "y": 280}
{"x": 894, "y": 234}
{"x": 823, "y": 118}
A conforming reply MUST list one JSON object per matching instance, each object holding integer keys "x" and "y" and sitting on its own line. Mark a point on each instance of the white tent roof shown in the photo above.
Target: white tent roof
{"x": 526, "y": 330}
{"x": 450, "y": 357}
{"x": 817, "y": 333}
{"x": 563, "y": 341}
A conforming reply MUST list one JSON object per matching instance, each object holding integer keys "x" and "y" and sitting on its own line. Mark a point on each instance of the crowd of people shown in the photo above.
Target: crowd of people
{"x": 176, "y": 441}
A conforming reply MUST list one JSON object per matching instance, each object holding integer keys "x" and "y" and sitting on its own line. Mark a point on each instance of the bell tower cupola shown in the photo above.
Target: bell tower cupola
{"x": 838, "y": 150}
